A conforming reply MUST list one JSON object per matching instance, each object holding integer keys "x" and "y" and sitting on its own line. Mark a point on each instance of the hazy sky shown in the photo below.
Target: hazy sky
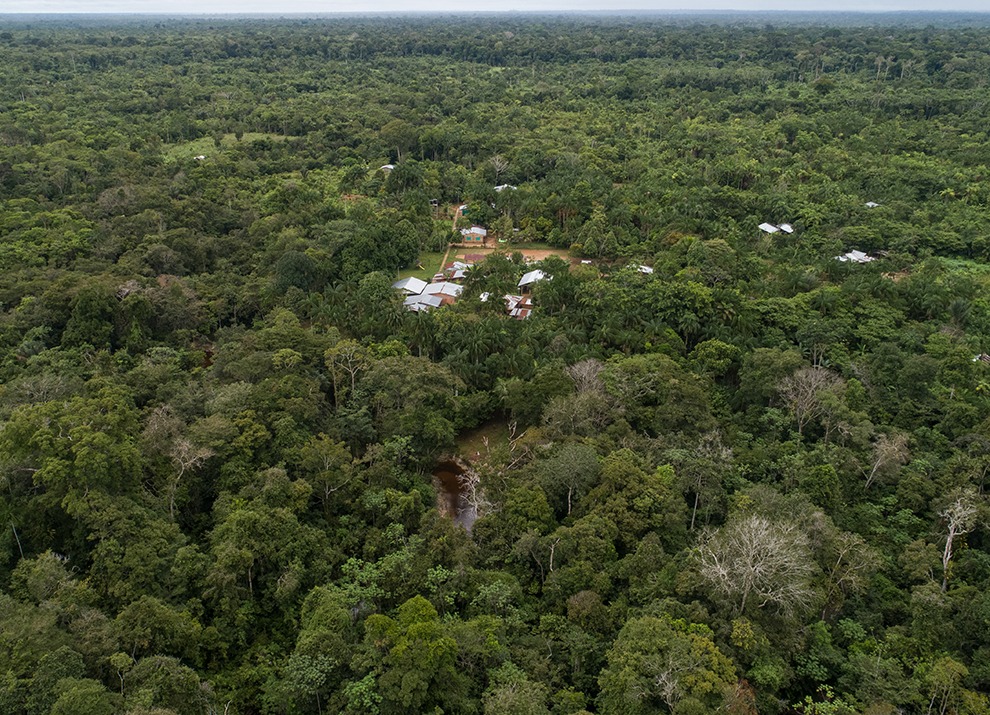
{"x": 329, "y": 6}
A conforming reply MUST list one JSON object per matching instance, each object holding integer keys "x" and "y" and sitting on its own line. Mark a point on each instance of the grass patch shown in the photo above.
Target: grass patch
{"x": 430, "y": 263}
{"x": 204, "y": 146}
{"x": 471, "y": 443}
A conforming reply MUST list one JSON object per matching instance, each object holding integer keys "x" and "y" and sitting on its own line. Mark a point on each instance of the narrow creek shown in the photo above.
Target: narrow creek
{"x": 451, "y": 495}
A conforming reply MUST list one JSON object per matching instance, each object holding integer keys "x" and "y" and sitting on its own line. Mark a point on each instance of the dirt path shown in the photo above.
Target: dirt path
{"x": 443, "y": 261}
{"x": 457, "y": 215}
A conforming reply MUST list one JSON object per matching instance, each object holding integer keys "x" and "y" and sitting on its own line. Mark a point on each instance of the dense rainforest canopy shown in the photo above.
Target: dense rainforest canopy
{"x": 715, "y": 470}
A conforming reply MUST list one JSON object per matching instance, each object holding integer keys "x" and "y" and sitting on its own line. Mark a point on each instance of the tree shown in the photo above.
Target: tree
{"x": 659, "y": 662}
{"x": 638, "y": 501}
{"x": 159, "y": 681}
{"x": 960, "y": 516}
{"x": 889, "y": 452}
{"x": 499, "y": 164}
{"x": 264, "y": 556}
{"x": 512, "y": 693}
{"x": 84, "y": 696}
{"x": 345, "y": 360}
{"x": 411, "y": 396}
{"x": 324, "y": 649}
{"x": 53, "y": 669}
{"x": 753, "y": 559}
{"x": 164, "y": 431}
{"x": 943, "y": 679}
{"x": 149, "y": 626}
{"x": 413, "y": 660}
{"x": 805, "y": 393}
{"x": 568, "y": 474}
{"x": 328, "y": 466}
{"x": 702, "y": 471}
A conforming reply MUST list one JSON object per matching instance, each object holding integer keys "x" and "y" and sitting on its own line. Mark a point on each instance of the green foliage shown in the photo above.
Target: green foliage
{"x": 659, "y": 664}
{"x": 715, "y": 469}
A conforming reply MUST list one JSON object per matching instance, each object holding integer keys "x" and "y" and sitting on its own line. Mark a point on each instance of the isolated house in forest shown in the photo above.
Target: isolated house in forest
{"x": 771, "y": 228}
{"x": 855, "y": 257}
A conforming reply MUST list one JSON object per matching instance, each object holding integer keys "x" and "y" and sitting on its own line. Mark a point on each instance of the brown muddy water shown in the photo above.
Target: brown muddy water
{"x": 451, "y": 497}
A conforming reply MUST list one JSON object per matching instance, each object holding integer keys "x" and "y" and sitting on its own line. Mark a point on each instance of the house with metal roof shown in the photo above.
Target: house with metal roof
{"x": 410, "y": 285}
{"x": 422, "y": 303}
{"x": 532, "y": 277}
{"x": 475, "y": 234}
{"x": 855, "y": 257}
{"x": 772, "y": 228}
{"x": 443, "y": 288}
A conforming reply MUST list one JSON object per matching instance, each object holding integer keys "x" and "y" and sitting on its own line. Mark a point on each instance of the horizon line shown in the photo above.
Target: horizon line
{"x": 602, "y": 11}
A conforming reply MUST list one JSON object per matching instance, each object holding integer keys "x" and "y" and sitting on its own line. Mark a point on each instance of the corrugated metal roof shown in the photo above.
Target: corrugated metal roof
{"x": 443, "y": 288}
{"x": 411, "y": 285}
{"x": 422, "y": 302}
{"x": 532, "y": 277}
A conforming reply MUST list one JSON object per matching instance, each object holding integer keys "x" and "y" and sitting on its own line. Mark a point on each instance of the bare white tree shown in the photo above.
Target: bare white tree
{"x": 186, "y": 457}
{"x": 755, "y": 558}
{"x": 960, "y": 517}
{"x": 587, "y": 375}
{"x": 164, "y": 433}
{"x": 473, "y": 494}
{"x": 851, "y": 563}
{"x": 890, "y": 450}
{"x": 804, "y": 393}
{"x": 346, "y": 359}
{"x": 499, "y": 164}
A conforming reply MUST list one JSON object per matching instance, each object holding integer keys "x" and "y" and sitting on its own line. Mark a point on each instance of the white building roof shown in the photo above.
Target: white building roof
{"x": 474, "y": 230}
{"x": 503, "y": 187}
{"x": 411, "y": 285}
{"x": 871, "y": 204}
{"x": 768, "y": 228}
{"x": 532, "y": 277}
{"x": 855, "y": 257}
{"x": 422, "y": 302}
{"x": 786, "y": 228}
{"x": 443, "y": 288}
{"x": 645, "y": 269}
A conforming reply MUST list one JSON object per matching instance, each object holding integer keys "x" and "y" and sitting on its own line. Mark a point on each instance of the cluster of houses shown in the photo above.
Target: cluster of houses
{"x": 445, "y": 289}
{"x": 853, "y": 256}
{"x": 422, "y": 296}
